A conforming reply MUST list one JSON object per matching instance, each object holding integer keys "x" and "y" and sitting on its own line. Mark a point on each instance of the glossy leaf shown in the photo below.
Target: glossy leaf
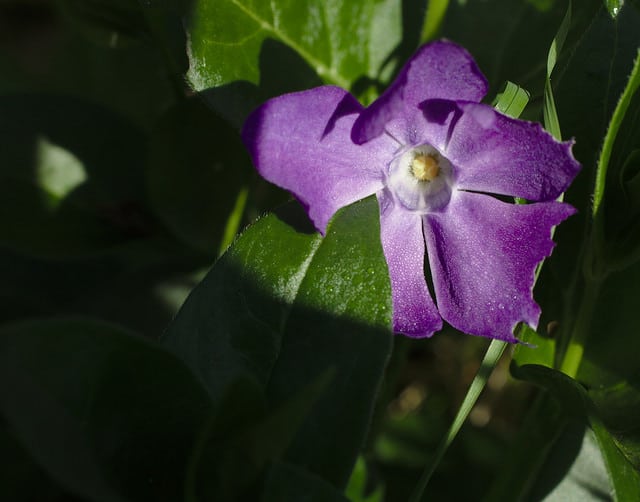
{"x": 341, "y": 42}
{"x": 624, "y": 478}
{"x": 278, "y": 308}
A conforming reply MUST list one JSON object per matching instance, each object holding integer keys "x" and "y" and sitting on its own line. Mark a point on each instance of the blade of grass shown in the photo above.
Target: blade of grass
{"x": 433, "y": 19}
{"x": 491, "y": 358}
{"x": 234, "y": 220}
{"x": 512, "y": 100}
{"x": 551, "y": 122}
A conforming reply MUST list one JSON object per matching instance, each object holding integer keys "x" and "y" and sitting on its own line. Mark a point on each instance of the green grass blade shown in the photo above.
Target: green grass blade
{"x": 512, "y": 100}
{"x": 551, "y": 122}
{"x": 436, "y": 9}
{"x": 491, "y": 358}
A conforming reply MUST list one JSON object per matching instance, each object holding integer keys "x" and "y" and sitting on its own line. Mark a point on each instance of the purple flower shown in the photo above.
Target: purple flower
{"x": 435, "y": 157}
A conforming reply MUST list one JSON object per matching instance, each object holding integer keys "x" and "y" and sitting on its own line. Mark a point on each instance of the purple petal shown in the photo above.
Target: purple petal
{"x": 483, "y": 253}
{"x": 301, "y": 142}
{"x": 497, "y": 154}
{"x": 440, "y": 69}
{"x": 414, "y": 313}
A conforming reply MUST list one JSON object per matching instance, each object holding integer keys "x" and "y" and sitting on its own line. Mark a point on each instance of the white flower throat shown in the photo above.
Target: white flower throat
{"x": 420, "y": 179}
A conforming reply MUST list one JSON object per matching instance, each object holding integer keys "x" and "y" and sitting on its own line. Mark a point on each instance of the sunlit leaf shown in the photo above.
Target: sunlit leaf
{"x": 512, "y": 100}
{"x": 336, "y": 39}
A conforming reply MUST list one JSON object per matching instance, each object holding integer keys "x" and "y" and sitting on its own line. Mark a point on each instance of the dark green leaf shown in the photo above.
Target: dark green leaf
{"x": 71, "y": 177}
{"x": 243, "y": 437}
{"x": 612, "y": 341}
{"x": 591, "y": 73}
{"x": 197, "y": 169}
{"x": 113, "y": 23}
{"x": 108, "y": 415}
{"x": 287, "y": 482}
{"x": 619, "y": 407}
{"x": 576, "y": 402}
{"x": 278, "y": 307}
{"x": 586, "y": 480}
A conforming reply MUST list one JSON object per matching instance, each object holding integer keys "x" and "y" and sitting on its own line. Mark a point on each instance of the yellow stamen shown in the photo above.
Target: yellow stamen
{"x": 425, "y": 167}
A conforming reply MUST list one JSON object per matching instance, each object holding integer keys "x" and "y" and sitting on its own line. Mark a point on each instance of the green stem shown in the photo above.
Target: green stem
{"x": 494, "y": 352}
{"x": 575, "y": 349}
{"x": 234, "y": 221}
{"x": 594, "y": 266}
{"x": 610, "y": 137}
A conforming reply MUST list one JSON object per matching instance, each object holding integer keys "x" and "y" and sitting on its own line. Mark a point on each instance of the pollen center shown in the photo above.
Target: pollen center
{"x": 425, "y": 167}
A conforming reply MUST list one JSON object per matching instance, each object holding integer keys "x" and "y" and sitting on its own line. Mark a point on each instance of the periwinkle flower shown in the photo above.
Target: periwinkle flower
{"x": 436, "y": 158}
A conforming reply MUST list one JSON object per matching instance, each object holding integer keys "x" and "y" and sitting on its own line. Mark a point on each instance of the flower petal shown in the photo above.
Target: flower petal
{"x": 497, "y": 154}
{"x": 483, "y": 253}
{"x": 301, "y": 142}
{"x": 440, "y": 69}
{"x": 414, "y": 313}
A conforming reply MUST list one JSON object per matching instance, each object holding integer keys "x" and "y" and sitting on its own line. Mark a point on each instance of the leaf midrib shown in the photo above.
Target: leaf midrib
{"x": 327, "y": 72}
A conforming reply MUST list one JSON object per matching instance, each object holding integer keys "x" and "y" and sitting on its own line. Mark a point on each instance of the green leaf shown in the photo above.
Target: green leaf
{"x": 613, "y": 6}
{"x": 340, "y": 41}
{"x": 243, "y": 437}
{"x": 114, "y": 23}
{"x": 597, "y": 59}
{"x": 619, "y": 407}
{"x": 356, "y": 490}
{"x": 70, "y": 175}
{"x": 108, "y": 415}
{"x": 587, "y": 478}
{"x": 197, "y": 168}
{"x": 609, "y": 359}
{"x": 504, "y": 37}
{"x": 577, "y": 403}
{"x": 512, "y": 100}
{"x": 278, "y": 308}
{"x": 290, "y": 482}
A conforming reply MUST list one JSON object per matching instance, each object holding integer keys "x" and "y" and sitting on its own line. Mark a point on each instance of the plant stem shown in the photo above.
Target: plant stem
{"x": 575, "y": 350}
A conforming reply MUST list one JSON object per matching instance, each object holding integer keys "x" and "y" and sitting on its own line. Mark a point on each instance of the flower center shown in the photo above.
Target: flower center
{"x": 420, "y": 179}
{"x": 425, "y": 167}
